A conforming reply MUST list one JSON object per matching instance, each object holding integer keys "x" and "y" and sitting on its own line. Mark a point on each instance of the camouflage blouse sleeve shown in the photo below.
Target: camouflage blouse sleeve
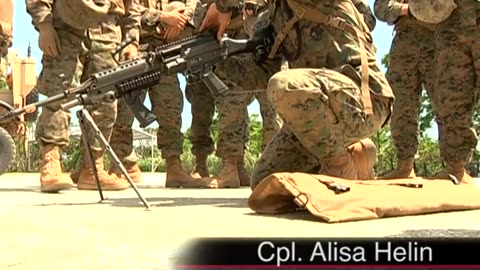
{"x": 387, "y": 10}
{"x": 364, "y": 8}
{"x": 132, "y": 20}
{"x": 190, "y": 6}
{"x": 40, "y": 11}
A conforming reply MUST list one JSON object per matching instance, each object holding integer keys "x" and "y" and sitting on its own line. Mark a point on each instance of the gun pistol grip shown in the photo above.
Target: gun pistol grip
{"x": 214, "y": 84}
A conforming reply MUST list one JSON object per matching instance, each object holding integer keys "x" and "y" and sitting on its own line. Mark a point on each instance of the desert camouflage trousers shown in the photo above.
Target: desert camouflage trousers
{"x": 246, "y": 81}
{"x": 323, "y": 113}
{"x": 411, "y": 69}
{"x": 457, "y": 60}
{"x": 80, "y": 56}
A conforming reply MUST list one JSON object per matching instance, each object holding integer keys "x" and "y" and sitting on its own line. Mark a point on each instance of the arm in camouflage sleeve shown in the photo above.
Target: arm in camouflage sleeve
{"x": 132, "y": 20}
{"x": 388, "y": 11}
{"x": 40, "y": 11}
{"x": 367, "y": 13}
{"x": 190, "y": 6}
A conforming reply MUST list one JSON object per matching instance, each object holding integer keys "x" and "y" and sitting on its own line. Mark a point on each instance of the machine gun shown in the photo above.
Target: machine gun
{"x": 196, "y": 55}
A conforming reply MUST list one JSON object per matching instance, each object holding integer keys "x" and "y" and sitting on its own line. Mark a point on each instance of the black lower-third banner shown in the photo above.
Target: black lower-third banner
{"x": 397, "y": 253}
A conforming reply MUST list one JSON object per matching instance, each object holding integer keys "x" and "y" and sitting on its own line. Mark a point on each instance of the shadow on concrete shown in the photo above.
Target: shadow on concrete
{"x": 303, "y": 215}
{"x": 162, "y": 202}
{"x": 181, "y": 201}
{"x": 71, "y": 204}
{"x": 25, "y": 189}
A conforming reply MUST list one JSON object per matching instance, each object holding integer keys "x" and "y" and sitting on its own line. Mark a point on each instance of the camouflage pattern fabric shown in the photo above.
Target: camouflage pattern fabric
{"x": 241, "y": 75}
{"x": 232, "y": 109}
{"x": 246, "y": 81}
{"x": 80, "y": 56}
{"x": 82, "y": 53}
{"x": 202, "y": 110}
{"x": 457, "y": 60}
{"x": 319, "y": 98}
{"x": 411, "y": 67}
{"x": 166, "y": 98}
{"x": 367, "y": 13}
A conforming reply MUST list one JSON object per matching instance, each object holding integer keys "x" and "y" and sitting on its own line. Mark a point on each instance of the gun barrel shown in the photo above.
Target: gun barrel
{"x": 9, "y": 115}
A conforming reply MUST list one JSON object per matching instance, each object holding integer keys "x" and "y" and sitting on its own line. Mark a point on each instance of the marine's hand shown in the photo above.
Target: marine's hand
{"x": 174, "y": 18}
{"x": 48, "y": 40}
{"x": 172, "y": 33}
{"x": 404, "y": 10}
{"x": 214, "y": 18}
{"x": 129, "y": 52}
{"x": 249, "y": 9}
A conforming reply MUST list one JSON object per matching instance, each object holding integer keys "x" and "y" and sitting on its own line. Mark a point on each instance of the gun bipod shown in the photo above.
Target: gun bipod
{"x": 86, "y": 121}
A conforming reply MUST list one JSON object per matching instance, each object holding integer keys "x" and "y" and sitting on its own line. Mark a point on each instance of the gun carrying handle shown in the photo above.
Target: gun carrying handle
{"x": 129, "y": 40}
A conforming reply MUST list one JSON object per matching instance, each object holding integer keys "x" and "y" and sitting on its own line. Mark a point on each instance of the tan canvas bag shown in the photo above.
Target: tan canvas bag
{"x": 372, "y": 199}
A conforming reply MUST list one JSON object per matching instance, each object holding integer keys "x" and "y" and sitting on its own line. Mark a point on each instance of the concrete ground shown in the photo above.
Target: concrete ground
{"x": 71, "y": 230}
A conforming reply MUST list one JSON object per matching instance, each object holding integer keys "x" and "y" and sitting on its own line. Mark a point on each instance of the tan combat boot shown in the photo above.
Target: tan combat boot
{"x": 243, "y": 175}
{"x": 76, "y": 174}
{"x": 364, "y": 155}
{"x": 51, "y": 177}
{"x": 132, "y": 169}
{"x": 177, "y": 177}
{"x": 201, "y": 167}
{"x": 404, "y": 170}
{"x": 455, "y": 168}
{"x": 86, "y": 180}
{"x": 227, "y": 177}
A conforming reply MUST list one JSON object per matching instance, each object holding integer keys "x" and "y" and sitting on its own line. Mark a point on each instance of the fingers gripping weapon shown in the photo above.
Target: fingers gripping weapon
{"x": 196, "y": 55}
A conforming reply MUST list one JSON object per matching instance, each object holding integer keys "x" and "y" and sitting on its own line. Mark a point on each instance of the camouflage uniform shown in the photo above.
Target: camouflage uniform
{"x": 246, "y": 80}
{"x": 320, "y": 98}
{"x": 232, "y": 109}
{"x": 230, "y": 106}
{"x": 367, "y": 13}
{"x": 82, "y": 53}
{"x": 411, "y": 66}
{"x": 166, "y": 99}
{"x": 457, "y": 63}
{"x": 241, "y": 74}
{"x": 202, "y": 110}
